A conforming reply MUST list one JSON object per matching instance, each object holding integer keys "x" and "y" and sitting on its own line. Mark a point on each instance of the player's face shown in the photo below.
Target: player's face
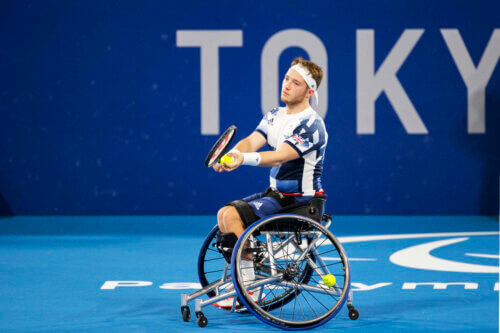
{"x": 293, "y": 88}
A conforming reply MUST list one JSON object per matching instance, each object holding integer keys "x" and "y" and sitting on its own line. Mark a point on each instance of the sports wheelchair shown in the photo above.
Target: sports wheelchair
{"x": 291, "y": 251}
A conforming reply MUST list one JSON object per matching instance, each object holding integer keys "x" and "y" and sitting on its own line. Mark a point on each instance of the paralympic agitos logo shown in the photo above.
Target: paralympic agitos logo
{"x": 415, "y": 257}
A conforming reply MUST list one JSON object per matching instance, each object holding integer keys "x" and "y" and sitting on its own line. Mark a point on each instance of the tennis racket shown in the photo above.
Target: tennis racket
{"x": 220, "y": 147}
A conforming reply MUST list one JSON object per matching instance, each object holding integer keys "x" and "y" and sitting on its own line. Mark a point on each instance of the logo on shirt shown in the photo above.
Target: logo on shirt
{"x": 298, "y": 139}
{"x": 258, "y": 204}
{"x": 270, "y": 121}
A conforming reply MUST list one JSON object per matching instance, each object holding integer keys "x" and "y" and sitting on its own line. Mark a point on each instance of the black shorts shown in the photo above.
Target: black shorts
{"x": 259, "y": 205}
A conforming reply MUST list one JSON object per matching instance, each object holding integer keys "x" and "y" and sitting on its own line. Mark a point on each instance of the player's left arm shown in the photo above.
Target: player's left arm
{"x": 283, "y": 154}
{"x": 308, "y": 136}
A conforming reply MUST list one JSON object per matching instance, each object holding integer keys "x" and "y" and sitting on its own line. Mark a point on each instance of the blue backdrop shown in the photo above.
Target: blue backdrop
{"x": 100, "y": 104}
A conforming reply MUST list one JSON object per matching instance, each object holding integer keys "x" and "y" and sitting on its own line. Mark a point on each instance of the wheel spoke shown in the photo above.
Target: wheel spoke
{"x": 214, "y": 259}
{"x": 216, "y": 271}
{"x": 286, "y": 251}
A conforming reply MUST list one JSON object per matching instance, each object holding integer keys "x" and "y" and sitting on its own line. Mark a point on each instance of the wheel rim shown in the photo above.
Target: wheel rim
{"x": 312, "y": 302}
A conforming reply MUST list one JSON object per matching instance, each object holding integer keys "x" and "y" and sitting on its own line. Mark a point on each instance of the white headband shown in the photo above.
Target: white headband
{"x": 308, "y": 78}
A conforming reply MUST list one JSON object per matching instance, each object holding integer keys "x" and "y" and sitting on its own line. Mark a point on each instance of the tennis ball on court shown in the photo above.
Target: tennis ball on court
{"x": 226, "y": 159}
{"x": 329, "y": 280}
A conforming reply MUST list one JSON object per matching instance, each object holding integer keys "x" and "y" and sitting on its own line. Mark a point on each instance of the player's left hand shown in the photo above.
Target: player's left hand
{"x": 238, "y": 159}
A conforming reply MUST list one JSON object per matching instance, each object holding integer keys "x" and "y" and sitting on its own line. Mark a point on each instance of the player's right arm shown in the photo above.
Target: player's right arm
{"x": 251, "y": 143}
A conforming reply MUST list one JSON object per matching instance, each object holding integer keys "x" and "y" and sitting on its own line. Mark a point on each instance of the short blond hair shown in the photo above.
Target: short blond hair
{"x": 315, "y": 70}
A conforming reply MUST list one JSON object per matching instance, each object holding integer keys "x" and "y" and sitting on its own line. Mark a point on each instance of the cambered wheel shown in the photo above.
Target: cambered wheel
{"x": 298, "y": 251}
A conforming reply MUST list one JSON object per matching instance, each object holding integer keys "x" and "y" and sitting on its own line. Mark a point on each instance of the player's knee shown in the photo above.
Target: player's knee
{"x": 231, "y": 213}
{"x": 220, "y": 217}
{"x": 231, "y": 218}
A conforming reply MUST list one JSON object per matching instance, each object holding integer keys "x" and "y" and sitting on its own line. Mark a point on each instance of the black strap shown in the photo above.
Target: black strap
{"x": 225, "y": 244}
{"x": 245, "y": 211}
{"x": 283, "y": 200}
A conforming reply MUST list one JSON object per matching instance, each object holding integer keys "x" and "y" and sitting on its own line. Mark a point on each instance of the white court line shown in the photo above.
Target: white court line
{"x": 480, "y": 255}
{"x": 420, "y": 257}
{"x": 350, "y": 259}
{"x": 357, "y": 239}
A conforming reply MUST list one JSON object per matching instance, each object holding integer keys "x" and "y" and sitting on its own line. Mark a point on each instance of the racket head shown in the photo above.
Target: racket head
{"x": 220, "y": 147}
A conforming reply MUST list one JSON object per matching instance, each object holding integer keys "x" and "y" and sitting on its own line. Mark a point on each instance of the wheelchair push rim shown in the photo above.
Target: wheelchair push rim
{"x": 290, "y": 245}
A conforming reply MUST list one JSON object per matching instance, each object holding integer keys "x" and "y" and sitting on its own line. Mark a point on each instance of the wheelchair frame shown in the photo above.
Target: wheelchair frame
{"x": 283, "y": 273}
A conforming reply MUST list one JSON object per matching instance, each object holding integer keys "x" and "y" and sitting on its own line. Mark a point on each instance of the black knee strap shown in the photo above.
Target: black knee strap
{"x": 225, "y": 244}
{"x": 245, "y": 211}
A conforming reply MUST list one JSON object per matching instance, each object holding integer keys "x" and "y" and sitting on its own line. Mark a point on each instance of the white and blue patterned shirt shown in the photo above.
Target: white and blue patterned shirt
{"x": 306, "y": 133}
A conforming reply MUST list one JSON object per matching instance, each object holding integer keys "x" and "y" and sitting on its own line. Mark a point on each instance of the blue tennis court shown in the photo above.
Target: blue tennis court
{"x": 126, "y": 274}
{"x": 115, "y": 118}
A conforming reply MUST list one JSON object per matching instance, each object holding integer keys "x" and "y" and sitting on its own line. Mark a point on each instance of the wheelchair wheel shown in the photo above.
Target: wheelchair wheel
{"x": 211, "y": 263}
{"x": 296, "y": 252}
{"x": 211, "y": 268}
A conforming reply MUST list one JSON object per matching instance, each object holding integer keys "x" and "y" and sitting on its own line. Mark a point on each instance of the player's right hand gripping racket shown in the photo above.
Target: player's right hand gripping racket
{"x": 220, "y": 147}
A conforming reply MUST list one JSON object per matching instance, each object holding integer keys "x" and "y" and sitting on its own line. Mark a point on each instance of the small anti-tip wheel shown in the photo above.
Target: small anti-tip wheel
{"x": 202, "y": 321}
{"x": 186, "y": 313}
{"x": 353, "y": 313}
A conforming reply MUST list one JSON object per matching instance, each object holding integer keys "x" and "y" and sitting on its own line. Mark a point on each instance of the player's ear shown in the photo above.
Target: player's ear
{"x": 310, "y": 92}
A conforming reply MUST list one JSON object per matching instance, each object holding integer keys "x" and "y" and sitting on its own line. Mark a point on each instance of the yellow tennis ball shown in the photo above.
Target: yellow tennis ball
{"x": 329, "y": 280}
{"x": 226, "y": 159}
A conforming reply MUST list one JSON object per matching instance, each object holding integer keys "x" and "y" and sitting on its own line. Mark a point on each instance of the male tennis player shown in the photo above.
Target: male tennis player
{"x": 297, "y": 139}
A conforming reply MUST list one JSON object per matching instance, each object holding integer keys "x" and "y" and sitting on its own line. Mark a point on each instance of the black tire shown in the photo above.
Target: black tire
{"x": 202, "y": 321}
{"x": 186, "y": 313}
{"x": 353, "y": 314}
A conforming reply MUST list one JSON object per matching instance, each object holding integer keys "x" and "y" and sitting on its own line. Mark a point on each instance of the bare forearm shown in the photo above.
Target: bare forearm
{"x": 273, "y": 158}
{"x": 251, "y": 143}
{"x": 245, "y": 146}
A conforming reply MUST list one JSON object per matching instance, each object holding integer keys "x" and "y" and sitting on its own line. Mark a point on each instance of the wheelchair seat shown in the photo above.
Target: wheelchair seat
{"x": 312, "y": 209}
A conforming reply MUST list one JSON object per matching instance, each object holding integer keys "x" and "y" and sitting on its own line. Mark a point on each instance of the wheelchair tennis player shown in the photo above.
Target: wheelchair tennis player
{"x": 297, "y": 139}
